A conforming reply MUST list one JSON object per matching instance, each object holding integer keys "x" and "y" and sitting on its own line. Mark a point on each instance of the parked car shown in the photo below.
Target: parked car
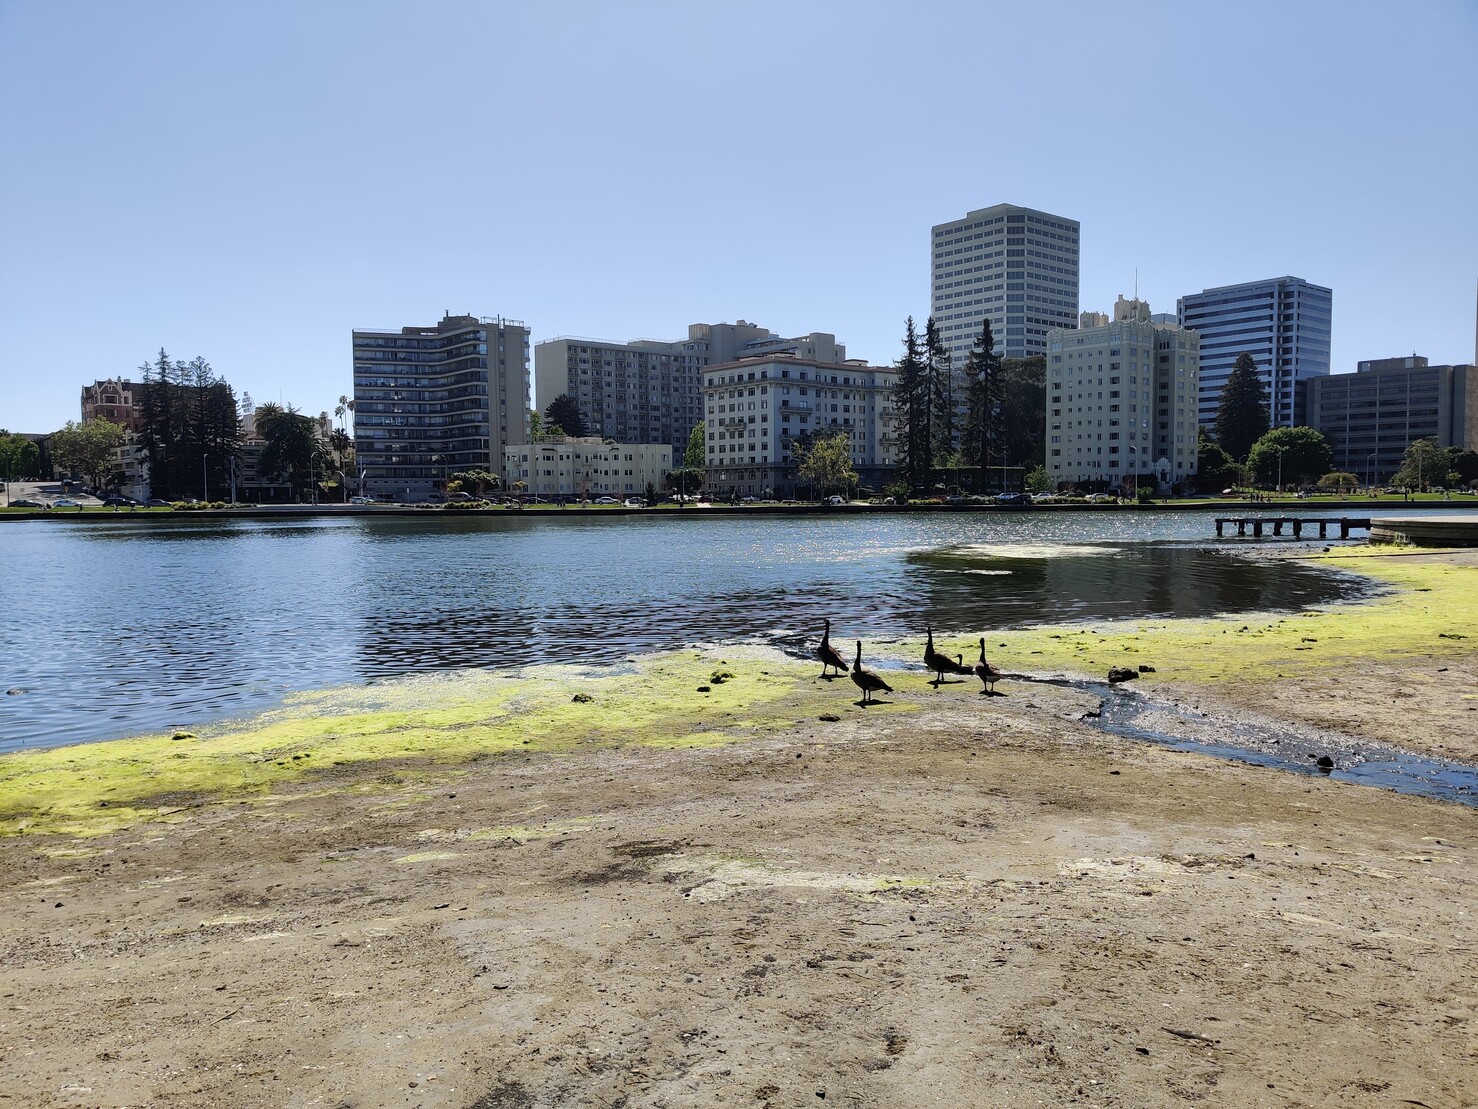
{"x": 66, "y": 502}
{"x": 1101, "y": 498}
{"x": 835, "y": 500}
{"x": 606, "y": 500}
{"x": 635, "y": 502}
{"x": 361, "y": 500}
{"x": 155, "y": 502}
{"x": 25, "y": 502}
{"x": 463, "y": 497}
{"x": 1012, "y": 498}
{"x": 119, "y": 502}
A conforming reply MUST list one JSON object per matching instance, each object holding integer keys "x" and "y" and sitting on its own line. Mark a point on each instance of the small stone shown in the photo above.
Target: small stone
{"x": 1325, "y": 763}
{"x": 1119, "y": 674}
{"x": 582, "y": 698}
{"x": 1146, "y": 669}
{"x": 703, "y": 689}
{"x": 183, "y": 735}
{"x": 829, "y": 717}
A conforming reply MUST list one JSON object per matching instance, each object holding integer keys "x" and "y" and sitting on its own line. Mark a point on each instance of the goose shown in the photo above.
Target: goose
{"x": 867, "y": 680}
{"x": 987, "y": 673}
{"x": 941, "y": 663}
{"x": 828, "y": 654}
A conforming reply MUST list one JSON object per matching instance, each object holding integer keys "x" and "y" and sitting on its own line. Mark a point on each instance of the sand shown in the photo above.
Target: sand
{"x": 945, "y": 900}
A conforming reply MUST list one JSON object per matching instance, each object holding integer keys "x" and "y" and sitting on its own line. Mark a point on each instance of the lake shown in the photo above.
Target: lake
{"x": 147, "y": 624}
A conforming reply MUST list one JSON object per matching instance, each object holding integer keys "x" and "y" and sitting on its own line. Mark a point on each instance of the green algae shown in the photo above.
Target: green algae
{"x": 427, "y": 731}
{"x": 425, "y": 728}
{"x": 1424, "y": 604}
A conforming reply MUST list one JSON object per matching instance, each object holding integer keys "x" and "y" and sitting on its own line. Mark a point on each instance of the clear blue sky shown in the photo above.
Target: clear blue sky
{"x": 250, "y": 181}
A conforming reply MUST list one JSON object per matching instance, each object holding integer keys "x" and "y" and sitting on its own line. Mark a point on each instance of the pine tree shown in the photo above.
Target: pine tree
{"x": 982, "y": 434}
{"x": 911, "y": 410}
{"x": 1242, "y": 418}
{"x": 941, "y": 392}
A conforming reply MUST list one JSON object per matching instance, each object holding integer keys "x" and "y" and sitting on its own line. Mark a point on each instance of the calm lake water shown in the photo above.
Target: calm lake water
{"x": 133, "y": 626}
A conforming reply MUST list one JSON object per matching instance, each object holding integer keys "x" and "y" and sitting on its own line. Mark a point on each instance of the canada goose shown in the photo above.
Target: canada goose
{"x": 867, "y": 680}
{"x": 829, "y": 655}
{"x": 987, "y": 673}
{"x": 941, "y": 663}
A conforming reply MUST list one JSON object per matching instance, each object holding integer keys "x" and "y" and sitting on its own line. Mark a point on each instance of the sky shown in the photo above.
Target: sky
{"x": 249, "y": 182}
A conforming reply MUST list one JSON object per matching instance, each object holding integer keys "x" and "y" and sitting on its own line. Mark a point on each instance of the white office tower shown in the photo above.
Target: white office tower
{"x": 1017, "y": 266}
{"x": 1121, "y": 401}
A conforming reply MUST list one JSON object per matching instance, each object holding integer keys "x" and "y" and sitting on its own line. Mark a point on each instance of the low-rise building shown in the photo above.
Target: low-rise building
{"x": 1371, "y": 416}
{"x": 586, "y": 467}
{"x": 756, "y": 410}
{"x": 113, "y": 400}
{"x": 1122, "y": 401}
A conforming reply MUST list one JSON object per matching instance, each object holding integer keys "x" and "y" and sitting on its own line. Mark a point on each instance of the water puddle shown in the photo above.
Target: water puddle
{"x": 1279, "y": 746}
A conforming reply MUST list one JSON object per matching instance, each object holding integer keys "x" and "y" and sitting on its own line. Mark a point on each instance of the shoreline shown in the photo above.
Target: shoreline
{"x": 496, "y": 895}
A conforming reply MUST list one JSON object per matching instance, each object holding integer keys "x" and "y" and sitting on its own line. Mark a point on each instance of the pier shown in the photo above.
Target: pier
{"x": 1346, "y": 524}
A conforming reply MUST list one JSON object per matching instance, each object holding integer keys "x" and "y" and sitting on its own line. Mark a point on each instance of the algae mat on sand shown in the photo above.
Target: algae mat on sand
{"x": 439, "y": 724}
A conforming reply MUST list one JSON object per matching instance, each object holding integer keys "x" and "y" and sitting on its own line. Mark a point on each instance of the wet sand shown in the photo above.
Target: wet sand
{"x": 944, "y": 900}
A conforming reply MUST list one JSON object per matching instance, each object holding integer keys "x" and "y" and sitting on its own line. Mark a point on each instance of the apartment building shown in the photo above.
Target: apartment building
{"x": 113, "y": 400}
{"x": 649, "y": 390}
{"x": 1371, "y": 416}
{"x": 433, "y": 401}
{"x": 1282, "y": 322}
{"x": 1016, "y": 266}
{"x": 587, "y": 467}
{"x": 1122, "y": 401}
{"x": 755, "y": 409}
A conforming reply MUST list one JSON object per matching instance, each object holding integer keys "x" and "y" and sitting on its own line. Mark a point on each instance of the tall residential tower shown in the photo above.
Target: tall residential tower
{"x": 1282, "y": 322}
{"x": 1017, "y": 266}
{"x": 432, "y": 401}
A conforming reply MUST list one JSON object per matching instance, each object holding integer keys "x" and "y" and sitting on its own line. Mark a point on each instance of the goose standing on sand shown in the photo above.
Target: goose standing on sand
{"x": 829, "y": 655}
{"x": 867, "y": 680}
{"x": 987, "y": 673}
{"x": 941, "y": 663}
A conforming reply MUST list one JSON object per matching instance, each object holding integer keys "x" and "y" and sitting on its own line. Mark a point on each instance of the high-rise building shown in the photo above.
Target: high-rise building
{"x": 649, "y": 391}
{"x": 1283, "y": 323}
{"x": 1371, "y": 416}
{"x": 756, "y": 409}
{"x": 1016, "y": 266}
{"x": 1121, "y": 400}
{"x": 432, "y": 401}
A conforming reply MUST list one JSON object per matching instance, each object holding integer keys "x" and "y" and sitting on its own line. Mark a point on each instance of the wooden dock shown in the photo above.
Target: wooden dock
{"x": 1257, "y": 524}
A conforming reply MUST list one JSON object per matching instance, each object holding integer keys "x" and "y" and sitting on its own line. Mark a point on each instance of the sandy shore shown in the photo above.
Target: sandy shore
{"x": 671, "y": 898}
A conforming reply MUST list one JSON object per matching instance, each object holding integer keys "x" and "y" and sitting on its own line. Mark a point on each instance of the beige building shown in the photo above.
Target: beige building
{"x": 587, "y": 467}
{"x": 1121, "y": 401}
{"x": 648, "y": 390}
{"x": 756, "y": 408}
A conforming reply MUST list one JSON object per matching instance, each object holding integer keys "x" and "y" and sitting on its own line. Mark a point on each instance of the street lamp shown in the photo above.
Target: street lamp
{"x": 1280, "y": 451}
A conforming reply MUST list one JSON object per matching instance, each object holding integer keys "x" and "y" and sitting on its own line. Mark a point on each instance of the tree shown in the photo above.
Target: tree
{"x": 1022, "y": 405}
{"x": 1338, "y": 479}
{"x": 87, "y": 449}
{"x": 19, "y": 457}
{"x": 190, "y": 428}
{"x": 695, "y": 456}
{"x": 291, "y": 441}
{"x": 940, "y": 375}
{"x": 1038, "y": 480}
{"x": 537, "y": 433}
{"x": 1423, "y": 464}
{"x": 1242, "y": 418}
{"x": 1291, "y": 455}
{"x": 826, "y": 461}
{"x": 982, "y": 402}
{"x": 1215, "y": 469}
{"x": 1465, "y": 464}
{"x": 911, "y": 405}
{"x": 564, "y": 412}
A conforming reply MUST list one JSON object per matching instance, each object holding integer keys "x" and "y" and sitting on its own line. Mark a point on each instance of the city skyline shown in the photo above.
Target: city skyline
{"x": 167, "y": 196}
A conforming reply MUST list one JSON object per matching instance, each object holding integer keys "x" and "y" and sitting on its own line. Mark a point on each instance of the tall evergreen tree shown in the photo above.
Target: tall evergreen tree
{"x": 1023, "y": 398}
{"x": 564, "y": 413}
{"x": 941, "y": 392}
{"x": 982, "y": 432}
{"x": 1242, "y": 418}
{"x": 911, "y": 403}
